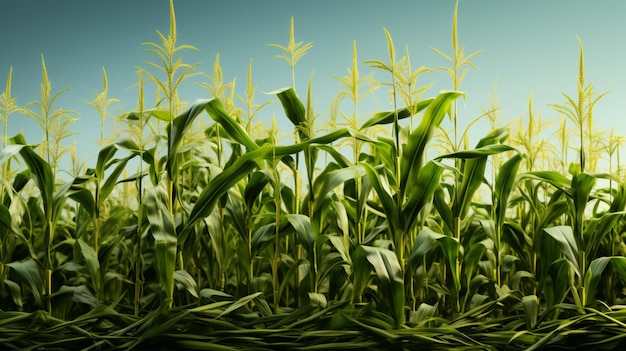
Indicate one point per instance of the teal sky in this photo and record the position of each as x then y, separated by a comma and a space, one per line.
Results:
527, 46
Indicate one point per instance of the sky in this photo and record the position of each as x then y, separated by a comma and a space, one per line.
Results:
526, 47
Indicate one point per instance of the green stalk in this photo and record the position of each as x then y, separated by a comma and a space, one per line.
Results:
277, 204
8, 107
137, 249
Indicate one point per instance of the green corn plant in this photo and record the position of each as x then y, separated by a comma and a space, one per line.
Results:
392, 68
458, 60
252, 108
294, 109
578, 240
170, 65
277, 205
389, 247
302, 118
580, 110
52, 204
53, 122
416, 180
471, 174
12, 236
101, 102
175, 71
350, 84
138, 267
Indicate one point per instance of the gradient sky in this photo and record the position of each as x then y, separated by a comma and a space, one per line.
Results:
527, 46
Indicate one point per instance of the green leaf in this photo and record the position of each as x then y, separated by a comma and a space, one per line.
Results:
482, 151
302, 226
41, 173
450, 247
326, 139
334, 178
215, 109
158, 114
176, 132
93, 264
564, 237
556, 179
424, 243
592, 277
240, 303
389, 205
414, 152
427, 182
164, 233
389, 116
530, 304
504, 184
8, 152
220, 185
389, 274
5, 217
28, 271
294, 108
186, 281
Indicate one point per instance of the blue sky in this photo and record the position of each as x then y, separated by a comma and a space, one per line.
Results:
527, 46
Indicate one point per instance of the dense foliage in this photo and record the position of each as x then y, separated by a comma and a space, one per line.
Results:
388, 233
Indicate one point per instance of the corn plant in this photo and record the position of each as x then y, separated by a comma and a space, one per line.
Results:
53, 122
580, 110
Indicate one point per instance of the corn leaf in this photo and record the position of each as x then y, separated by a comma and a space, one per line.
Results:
29, 273
389, 274
294, 108
388, 116
504, 184
164, 233
427, 182
414, 152
564, 237
215, 109
41, 173
221, 184
389, 205
8, 152
176, 132
93, 264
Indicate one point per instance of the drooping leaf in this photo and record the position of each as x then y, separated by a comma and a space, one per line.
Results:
28, 271
389, 274
388, 117
294, 108
215, 109
8, 152
564, 237
165, 241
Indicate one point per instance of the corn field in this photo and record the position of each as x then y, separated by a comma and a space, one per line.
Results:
199, 227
